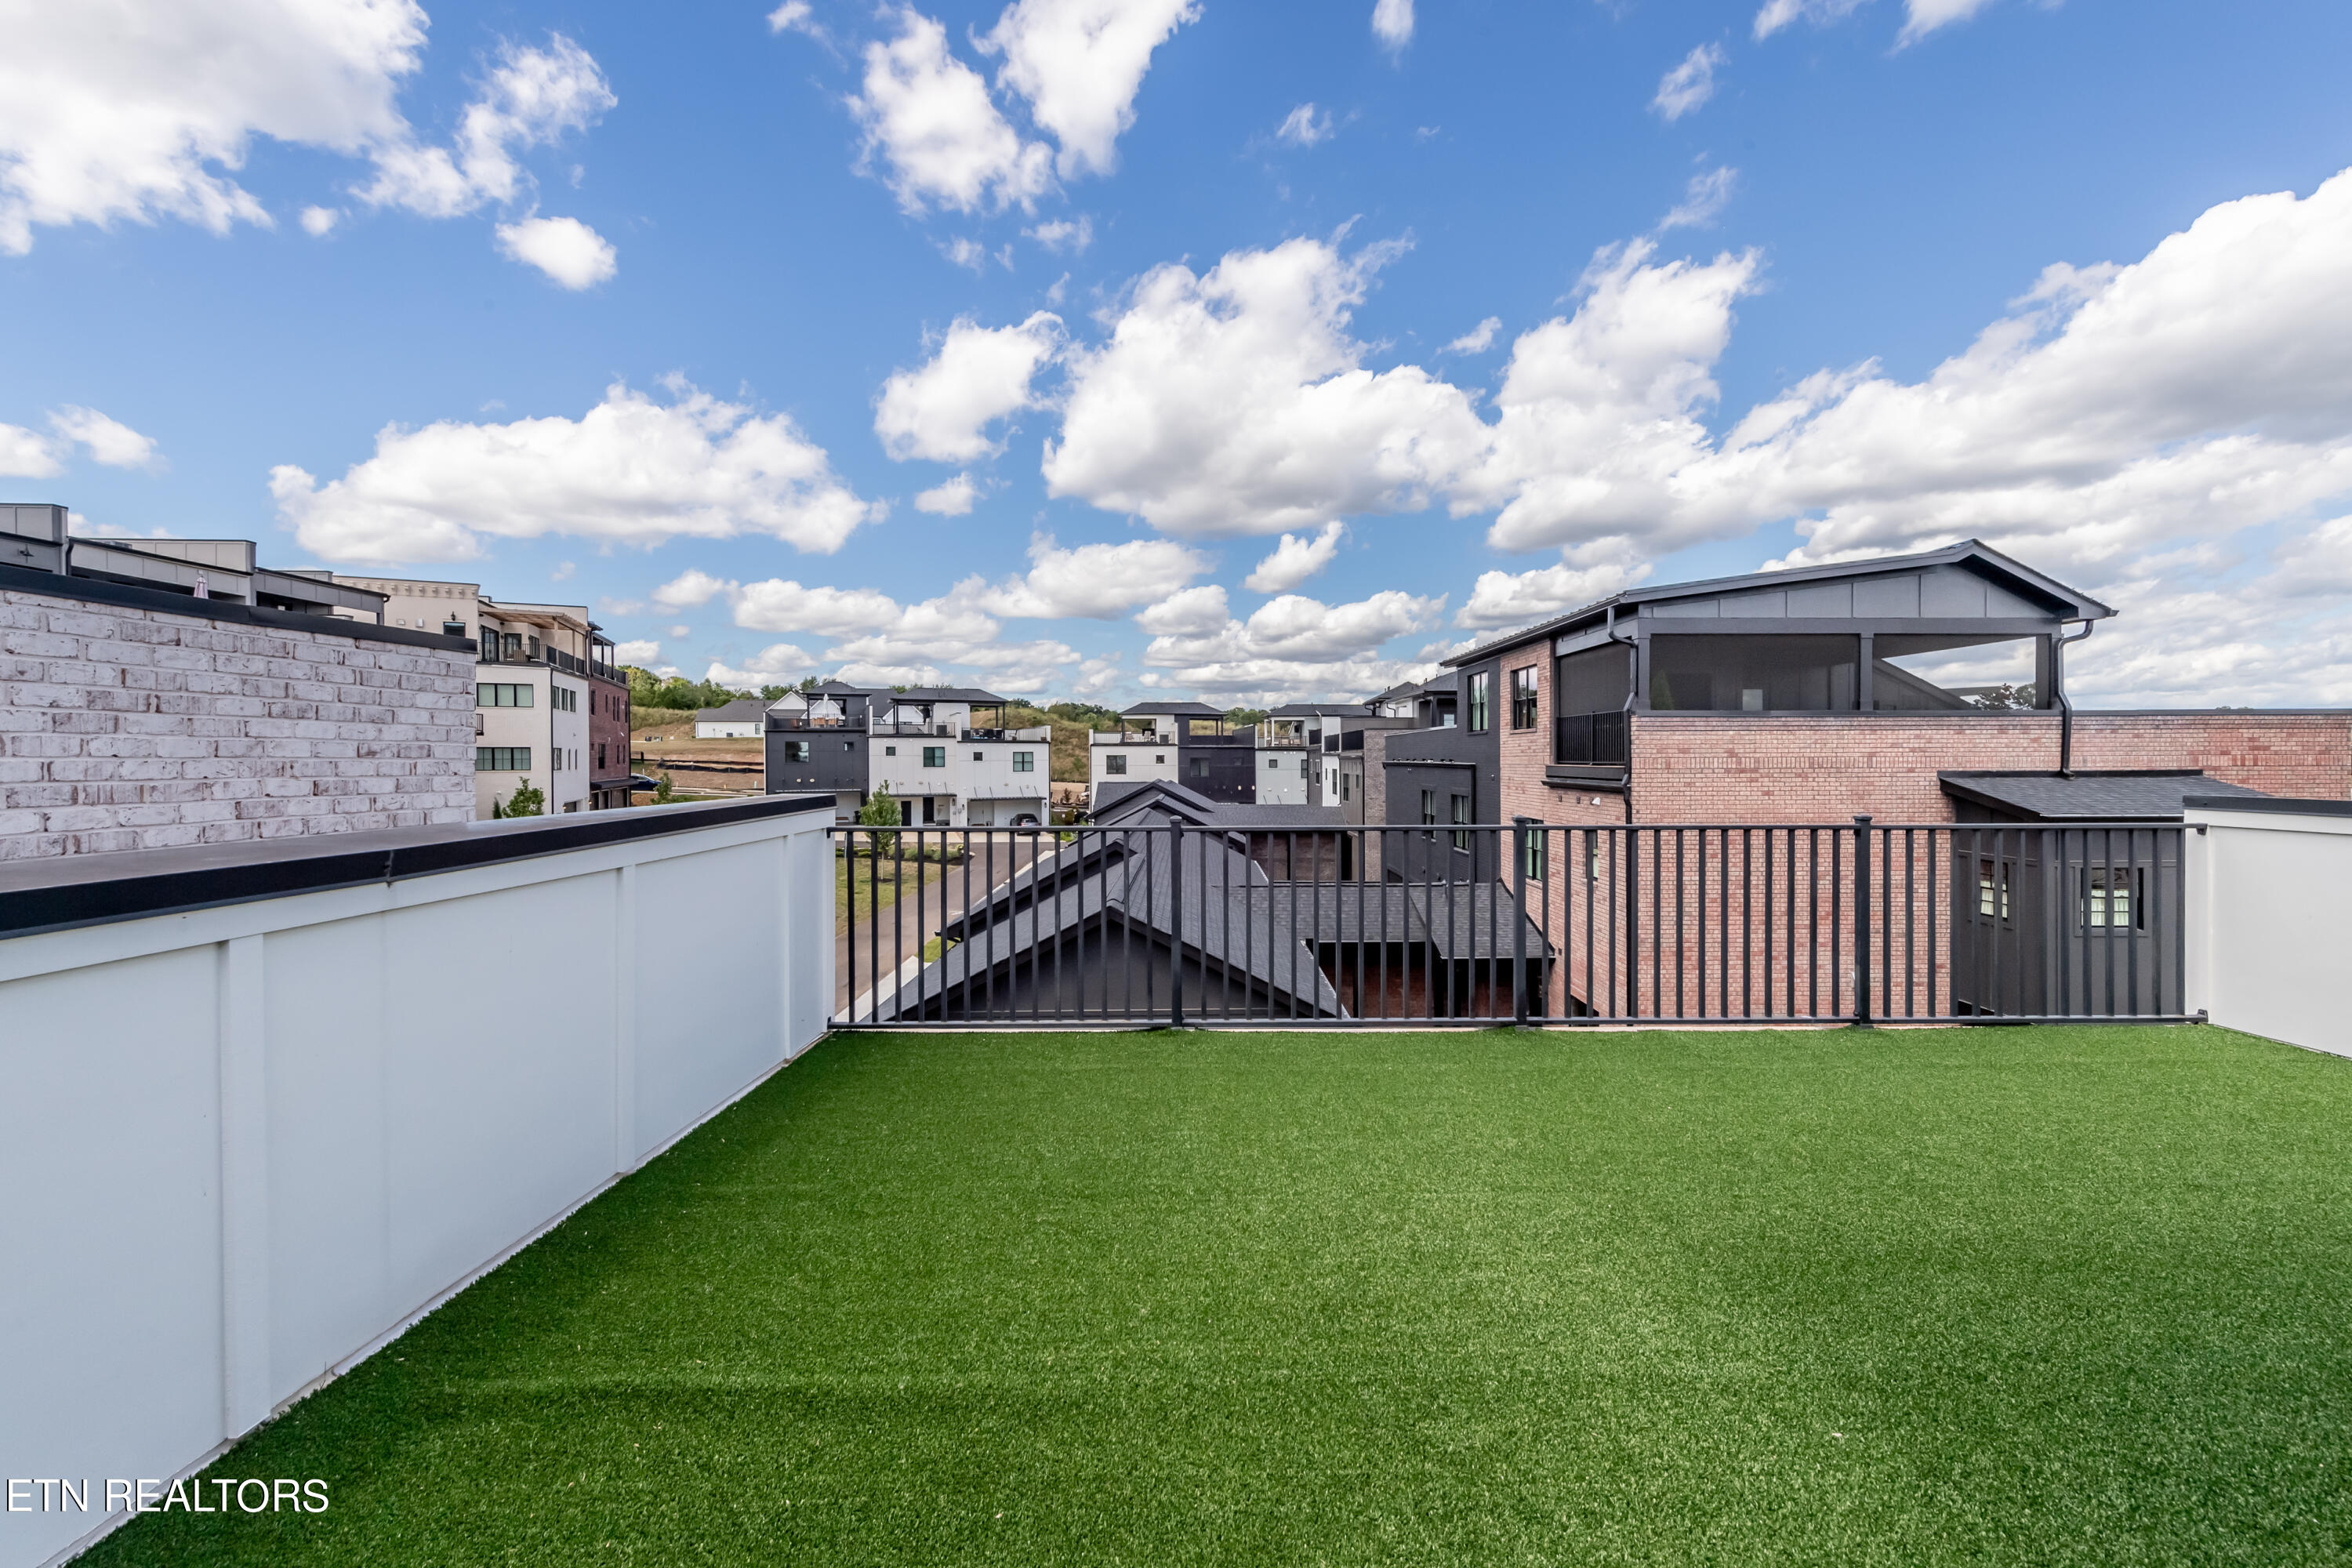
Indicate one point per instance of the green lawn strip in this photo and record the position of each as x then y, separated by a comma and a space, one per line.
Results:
861, 885
2009, 1296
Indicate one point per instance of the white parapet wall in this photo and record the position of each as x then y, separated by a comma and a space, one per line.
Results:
2270, 918
260, 1115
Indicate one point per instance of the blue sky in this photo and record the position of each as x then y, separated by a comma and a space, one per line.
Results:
1007, 344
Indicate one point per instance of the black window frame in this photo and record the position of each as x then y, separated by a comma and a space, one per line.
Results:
1480, 702
1527, 705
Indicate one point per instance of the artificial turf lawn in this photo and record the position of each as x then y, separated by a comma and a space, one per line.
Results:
2020, 1295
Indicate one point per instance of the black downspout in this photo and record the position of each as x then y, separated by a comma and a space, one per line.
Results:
2066, 706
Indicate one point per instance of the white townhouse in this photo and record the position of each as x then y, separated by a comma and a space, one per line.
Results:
922, 745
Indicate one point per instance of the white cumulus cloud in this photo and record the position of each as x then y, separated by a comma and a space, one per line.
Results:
139, 110
533, 98
978, 376
566, 250
1516, 598
1295, 559
639, 652
1098, 580
1478, 340
30, 454
1393, 23
1072, 234
929, 118
954, 498
1236, 402
1689, 84
1080, 64
630, 471
1289, 646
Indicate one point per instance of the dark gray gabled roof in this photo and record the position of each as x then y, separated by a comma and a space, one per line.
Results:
1973, 552
1171, 711
2090, 797
942, 694
1314, 709
742, 711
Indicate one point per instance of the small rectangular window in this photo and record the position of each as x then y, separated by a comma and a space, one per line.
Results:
501, 694
1523, 698
935, 756
1025, 761
796, 750
889, 751
1429, 812
1534, 854
1199, 767
1993, 890
502, 759
1461, 815
2111, 898
1114, 763
1481, 682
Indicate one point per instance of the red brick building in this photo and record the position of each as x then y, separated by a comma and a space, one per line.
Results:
1803, 697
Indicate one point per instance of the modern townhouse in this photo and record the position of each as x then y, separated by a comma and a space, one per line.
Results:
921, 746
552, 707
1189, 742
1924, 689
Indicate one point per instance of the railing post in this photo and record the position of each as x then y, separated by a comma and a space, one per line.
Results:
1176, 925
1862, 923
1520, 921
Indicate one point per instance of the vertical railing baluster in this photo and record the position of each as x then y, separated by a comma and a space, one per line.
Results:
1862, 922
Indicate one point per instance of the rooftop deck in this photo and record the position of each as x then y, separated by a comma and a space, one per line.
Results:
2037, 1294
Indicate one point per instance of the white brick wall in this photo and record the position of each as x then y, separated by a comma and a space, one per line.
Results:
128, 729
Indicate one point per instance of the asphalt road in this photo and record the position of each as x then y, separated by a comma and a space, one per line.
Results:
892, 936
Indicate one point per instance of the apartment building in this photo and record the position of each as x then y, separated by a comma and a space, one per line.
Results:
922, 746
551, 708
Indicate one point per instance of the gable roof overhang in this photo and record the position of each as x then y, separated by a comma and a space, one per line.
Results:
2066, 603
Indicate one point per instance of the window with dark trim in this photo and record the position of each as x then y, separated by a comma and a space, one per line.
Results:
501, 694
1482, 682
1462, 816
1025, 761
502, 759
935, 756
1114, 763
1523, 698
2111, 898
794, 751
1429, 812
1534, 854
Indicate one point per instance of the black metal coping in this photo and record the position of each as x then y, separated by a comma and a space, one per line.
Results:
96, 591
56, 892
2267, 806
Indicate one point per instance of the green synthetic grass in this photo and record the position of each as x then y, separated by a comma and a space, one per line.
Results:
1999, 1296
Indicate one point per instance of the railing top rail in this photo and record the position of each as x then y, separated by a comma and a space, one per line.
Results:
1846, 824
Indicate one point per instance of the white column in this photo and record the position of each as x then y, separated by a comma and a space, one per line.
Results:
245, 1187
626, 959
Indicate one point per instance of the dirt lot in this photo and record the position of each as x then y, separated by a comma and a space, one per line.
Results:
704, 767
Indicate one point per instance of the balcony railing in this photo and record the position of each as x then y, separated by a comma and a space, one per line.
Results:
1589, 739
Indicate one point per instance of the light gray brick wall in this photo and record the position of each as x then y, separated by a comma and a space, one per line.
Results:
125, 729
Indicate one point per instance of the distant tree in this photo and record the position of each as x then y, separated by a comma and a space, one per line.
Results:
879, 811
771, 693
527, 800
1239, 717
1092, 715
2007, 698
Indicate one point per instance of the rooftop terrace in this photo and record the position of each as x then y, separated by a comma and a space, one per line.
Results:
2034, 1294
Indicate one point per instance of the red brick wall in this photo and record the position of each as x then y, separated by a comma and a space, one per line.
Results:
1732, 767
2305, 756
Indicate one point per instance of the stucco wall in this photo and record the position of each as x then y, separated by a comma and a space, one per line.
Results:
270, 1132
131, 728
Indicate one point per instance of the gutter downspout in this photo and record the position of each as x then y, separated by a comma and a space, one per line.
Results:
2066, 706
1610, 628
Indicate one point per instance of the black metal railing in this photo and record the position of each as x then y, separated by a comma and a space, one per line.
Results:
1591, 739
1158, 924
